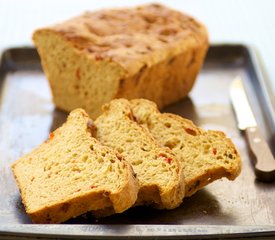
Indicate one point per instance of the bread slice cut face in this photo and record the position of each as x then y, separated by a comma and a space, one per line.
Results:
72, 173
157, 168
204, 155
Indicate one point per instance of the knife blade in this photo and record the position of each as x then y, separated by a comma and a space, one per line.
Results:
263, 160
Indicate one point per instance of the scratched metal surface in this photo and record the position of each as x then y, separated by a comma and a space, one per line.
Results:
27, 115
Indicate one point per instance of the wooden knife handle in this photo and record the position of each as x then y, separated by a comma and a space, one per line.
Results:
263, 159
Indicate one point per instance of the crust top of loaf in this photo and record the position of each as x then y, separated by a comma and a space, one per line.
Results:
132, 37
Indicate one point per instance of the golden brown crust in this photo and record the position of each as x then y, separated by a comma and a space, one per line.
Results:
150, 52
63, 211
134, 37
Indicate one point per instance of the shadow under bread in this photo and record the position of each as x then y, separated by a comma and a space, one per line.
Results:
193, 210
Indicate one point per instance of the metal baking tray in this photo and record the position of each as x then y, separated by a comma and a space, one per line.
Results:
240, 209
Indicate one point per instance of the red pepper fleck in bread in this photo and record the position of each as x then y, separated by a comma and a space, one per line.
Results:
72, 173
204, 155
150, 51
157, 169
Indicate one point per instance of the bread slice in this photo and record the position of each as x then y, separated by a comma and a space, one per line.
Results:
158, 171
72, 173
204, 155
148, 51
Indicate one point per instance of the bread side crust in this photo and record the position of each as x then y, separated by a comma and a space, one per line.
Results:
167, 81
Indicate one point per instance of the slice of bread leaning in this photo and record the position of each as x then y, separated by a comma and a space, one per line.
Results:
158, 171
204, 155
72, 173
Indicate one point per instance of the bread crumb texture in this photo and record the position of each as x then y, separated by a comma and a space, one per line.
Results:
149, 51
159, 173
72, 173
204, 155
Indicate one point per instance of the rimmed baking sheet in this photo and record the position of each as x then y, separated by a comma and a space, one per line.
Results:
224, 209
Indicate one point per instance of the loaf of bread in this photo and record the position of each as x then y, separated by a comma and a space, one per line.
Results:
157, 169
149, 51
204, 155
72, 173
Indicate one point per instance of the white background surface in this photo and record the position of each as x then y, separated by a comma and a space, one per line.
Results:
249, 22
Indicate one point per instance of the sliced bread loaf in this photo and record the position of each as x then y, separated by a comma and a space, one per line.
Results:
72, 173
158, 171
204, 155
149, 51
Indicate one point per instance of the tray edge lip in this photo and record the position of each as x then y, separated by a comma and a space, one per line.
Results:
264, 81
86, 230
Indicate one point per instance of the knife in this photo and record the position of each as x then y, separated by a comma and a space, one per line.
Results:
263, 161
